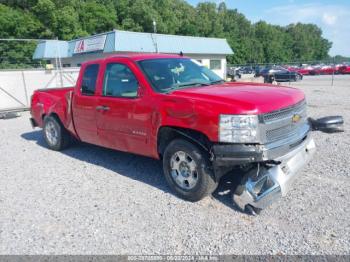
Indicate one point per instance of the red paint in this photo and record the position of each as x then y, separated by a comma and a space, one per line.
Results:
132, 124
344, 69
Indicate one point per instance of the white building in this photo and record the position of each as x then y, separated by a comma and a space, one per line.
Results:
211, 52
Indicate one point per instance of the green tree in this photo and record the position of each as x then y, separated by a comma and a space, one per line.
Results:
69, 19
16, 23
97, 18
66, 24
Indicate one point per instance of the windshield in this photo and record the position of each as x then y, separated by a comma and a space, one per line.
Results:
170, 74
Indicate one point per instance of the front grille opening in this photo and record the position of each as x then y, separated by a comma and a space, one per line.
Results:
279, 124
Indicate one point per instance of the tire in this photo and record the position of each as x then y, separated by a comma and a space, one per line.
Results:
55, 135
196, 179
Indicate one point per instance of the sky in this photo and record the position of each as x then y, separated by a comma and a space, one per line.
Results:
332, 16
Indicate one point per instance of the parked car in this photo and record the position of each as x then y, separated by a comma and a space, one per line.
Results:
246, 70
303, 70
173, 109
344, 69
279, 74
328, 70
233, 73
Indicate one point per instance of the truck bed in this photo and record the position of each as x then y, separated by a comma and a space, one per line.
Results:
45, 101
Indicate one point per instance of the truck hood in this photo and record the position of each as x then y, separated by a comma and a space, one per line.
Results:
243, 98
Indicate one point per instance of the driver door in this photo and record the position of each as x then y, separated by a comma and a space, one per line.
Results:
122, 121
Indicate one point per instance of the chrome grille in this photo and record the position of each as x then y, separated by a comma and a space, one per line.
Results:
299, 108
281, 132
278, 125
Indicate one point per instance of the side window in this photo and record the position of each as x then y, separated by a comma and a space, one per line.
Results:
215, 64
119, 81
88, 85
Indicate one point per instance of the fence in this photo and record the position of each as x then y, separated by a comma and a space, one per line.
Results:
17, 86
290, 71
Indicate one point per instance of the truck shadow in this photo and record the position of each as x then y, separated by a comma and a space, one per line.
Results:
139, 168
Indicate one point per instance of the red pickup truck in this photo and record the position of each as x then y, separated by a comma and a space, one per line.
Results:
169, 107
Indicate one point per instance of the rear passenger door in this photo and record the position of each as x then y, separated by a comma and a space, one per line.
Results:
84, 104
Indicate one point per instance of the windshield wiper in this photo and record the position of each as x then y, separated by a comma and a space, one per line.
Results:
184, 85
191, 84
217, 81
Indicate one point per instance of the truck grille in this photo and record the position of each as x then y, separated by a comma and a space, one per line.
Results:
299, 108
284, 124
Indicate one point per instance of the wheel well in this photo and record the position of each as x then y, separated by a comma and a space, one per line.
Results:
167, 133
52, 115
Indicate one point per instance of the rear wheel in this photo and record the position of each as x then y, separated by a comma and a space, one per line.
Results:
187, 170
55, 135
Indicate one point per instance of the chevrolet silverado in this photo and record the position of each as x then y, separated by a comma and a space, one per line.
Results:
171, 108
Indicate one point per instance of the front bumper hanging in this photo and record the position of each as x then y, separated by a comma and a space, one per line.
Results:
259, 188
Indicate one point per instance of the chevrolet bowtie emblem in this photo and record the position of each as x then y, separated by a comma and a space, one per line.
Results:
296, 118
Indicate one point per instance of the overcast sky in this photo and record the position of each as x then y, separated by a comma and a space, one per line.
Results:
333, 16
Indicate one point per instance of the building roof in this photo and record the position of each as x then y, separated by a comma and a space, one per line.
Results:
51, 49
126, 41
138, 57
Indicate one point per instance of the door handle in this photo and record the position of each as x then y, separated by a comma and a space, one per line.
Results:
102, 108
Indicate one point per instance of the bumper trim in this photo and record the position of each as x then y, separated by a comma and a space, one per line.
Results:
239, 154
262, 189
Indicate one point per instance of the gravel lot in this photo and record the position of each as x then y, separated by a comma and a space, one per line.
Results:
91, 200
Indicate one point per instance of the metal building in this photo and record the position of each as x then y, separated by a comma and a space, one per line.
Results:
211, 52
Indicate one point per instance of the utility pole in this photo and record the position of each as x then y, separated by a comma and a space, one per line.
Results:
58, 54
155, 32
154, 26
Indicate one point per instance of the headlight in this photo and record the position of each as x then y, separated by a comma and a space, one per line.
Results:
238, 128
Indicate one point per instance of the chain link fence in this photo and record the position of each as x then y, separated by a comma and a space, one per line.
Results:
288, 71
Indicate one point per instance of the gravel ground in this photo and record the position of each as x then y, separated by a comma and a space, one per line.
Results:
90, 200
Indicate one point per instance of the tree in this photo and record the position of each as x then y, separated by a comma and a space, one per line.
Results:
69, 19
97, 18
16, 23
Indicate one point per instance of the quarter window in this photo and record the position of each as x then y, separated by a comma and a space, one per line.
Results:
119, 81
89, 80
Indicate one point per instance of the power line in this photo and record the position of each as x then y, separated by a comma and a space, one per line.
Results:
24, 39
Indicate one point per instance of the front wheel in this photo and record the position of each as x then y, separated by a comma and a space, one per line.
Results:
55, 135
188, 171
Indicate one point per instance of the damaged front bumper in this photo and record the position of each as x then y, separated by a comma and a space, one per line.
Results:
260, 188
277, 164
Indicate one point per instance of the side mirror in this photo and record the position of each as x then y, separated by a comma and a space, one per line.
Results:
328, 124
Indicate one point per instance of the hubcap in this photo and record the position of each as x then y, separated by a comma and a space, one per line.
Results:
51, 133
184, 170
